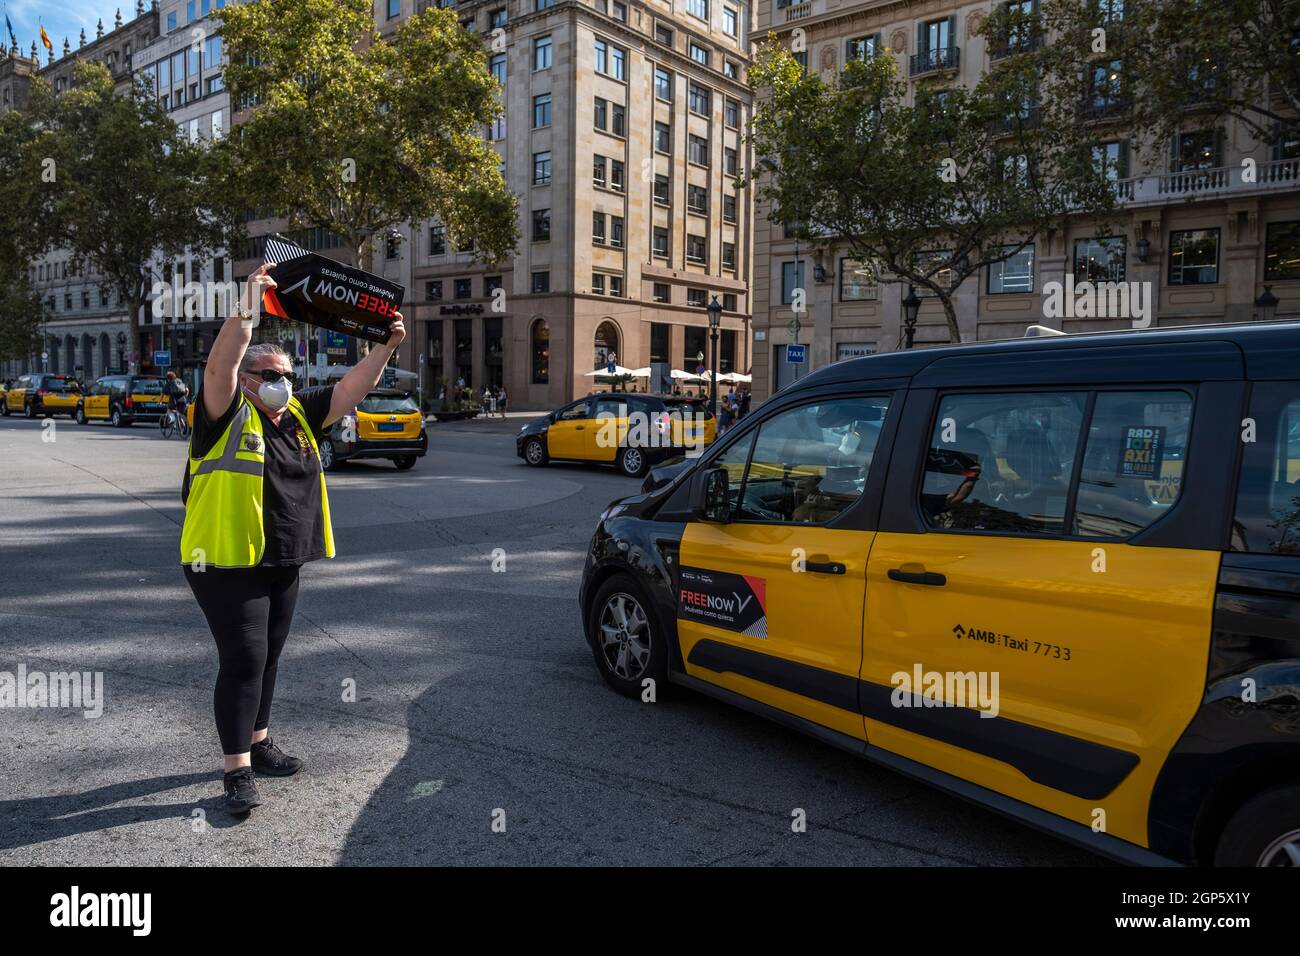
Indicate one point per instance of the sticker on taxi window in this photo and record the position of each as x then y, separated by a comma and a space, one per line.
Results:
733, 602
1144, 447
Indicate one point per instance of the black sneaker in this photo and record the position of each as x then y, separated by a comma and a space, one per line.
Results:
241, 792
272, 761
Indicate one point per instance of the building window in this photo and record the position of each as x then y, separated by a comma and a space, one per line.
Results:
540, 5
697, 98
729, 255
616, 231
728, 302
463, 288
729, 160
697, 150
541, 282
490, 285
857, 281
616, 179
541, 110
598, 228
699, 54
663, 35
602, 56
1194, 257
618, 11
696, 250
861, 48
542, 53
1195, 150
731, 114
619, 115
1015, 274
542, 168
791, 280
697, 199
938, 263
660, 293
618, 61
394, 9
601, 113
598, 165
616, 286
541, 225
661, 189
660, 242
541, 343
697, 298
1099, 260
1282, 250
730, 22
597, 283
663, 84
728, 208
663, 137
498, 18
698, 8
437, 240
433, 290
1111, 160
498, 65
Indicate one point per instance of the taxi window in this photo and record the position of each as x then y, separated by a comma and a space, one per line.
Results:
1133, 463
387, 405
58, 383
811, 463
147, 386
1267, 519
1002, 462
576, 410
610, 408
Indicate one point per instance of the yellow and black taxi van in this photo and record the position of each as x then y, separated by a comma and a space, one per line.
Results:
41, 394
387, 424
629, 430
122, 400
1058, 576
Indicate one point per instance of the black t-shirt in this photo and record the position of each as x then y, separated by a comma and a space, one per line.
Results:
291, 505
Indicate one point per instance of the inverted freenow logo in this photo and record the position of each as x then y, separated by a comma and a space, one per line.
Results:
74, 909
921, 688
1101, 300
82, 690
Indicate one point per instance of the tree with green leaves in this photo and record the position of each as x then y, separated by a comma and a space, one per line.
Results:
933, 188
106, 177
357, 132
22, 312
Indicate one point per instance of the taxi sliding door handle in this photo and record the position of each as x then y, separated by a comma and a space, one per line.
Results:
931, 578
824, 567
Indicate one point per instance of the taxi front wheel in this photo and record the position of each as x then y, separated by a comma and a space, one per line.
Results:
328, 460
627, 641
80, 415
633, 462
1264, 832
535, 452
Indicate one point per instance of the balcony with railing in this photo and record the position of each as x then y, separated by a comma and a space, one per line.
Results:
939, 60
1218, 182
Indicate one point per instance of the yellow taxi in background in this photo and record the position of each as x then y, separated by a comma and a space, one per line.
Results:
630, 431
387, 424
122, 400
42, 394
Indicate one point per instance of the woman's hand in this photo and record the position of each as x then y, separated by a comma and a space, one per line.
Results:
396, 331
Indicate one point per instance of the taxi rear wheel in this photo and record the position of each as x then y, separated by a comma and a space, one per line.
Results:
405, 462
535, 452
328, 460
1264, 832
4, 408
633, 462
80, 415
29, 410
115, 419
627, 642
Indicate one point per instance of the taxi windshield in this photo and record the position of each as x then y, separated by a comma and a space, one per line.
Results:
60, 383
387, 405
147, 386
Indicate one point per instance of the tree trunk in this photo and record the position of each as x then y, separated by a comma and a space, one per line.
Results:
133, 335
950, 314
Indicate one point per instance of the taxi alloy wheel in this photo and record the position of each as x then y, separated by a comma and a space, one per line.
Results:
80, 415
328, 460
534, 452
115, 419
632, 462
625, 638
29, 410
1264, 832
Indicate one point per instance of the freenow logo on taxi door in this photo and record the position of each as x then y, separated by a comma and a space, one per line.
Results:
734, 602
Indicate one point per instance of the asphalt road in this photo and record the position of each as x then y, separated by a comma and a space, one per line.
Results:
476, 698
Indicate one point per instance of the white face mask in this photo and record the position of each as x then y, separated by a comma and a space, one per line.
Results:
275, 395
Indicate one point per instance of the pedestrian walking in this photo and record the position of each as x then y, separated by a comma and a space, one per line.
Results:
256, 510
502, 401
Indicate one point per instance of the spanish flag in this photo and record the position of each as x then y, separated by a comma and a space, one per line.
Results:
45, 38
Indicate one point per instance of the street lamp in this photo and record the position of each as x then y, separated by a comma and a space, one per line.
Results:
911, 306
1266, 304
1143, 249
121, 352
715, 320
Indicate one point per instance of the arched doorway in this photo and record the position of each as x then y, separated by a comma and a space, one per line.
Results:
606, 344
539, 350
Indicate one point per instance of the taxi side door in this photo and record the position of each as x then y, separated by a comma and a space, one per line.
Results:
610, 429
18, 394
770, 591
96, 402
566, 436
1039, 617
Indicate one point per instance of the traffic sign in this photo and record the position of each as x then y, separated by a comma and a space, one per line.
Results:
162, 358
796, 354
390, 377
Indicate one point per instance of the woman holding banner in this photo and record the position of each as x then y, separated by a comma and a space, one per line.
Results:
256, 510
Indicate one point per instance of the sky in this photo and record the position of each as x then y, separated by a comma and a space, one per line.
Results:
66, 18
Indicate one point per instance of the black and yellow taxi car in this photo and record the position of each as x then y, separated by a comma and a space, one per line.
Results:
631, 431
42, 395
1057, 576
122, 400
387, 424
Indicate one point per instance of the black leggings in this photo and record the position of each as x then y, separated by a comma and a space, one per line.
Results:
249, 611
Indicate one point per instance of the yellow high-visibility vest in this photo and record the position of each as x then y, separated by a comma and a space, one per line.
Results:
223, 513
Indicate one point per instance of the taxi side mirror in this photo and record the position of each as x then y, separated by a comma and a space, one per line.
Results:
710, 496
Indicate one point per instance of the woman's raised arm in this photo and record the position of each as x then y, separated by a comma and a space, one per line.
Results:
221, 378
